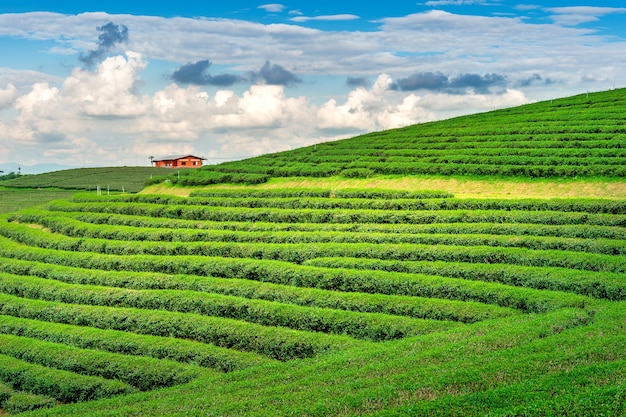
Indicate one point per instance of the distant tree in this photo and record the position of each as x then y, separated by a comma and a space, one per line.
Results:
9, 176
151, 160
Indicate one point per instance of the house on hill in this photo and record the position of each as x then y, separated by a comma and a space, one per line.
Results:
178, 161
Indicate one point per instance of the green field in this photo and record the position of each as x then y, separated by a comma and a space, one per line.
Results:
391, 295
126, 179
12, 199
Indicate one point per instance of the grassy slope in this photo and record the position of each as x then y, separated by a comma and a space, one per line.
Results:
459, 186
507, 367
129, 179
567, 362
13, 199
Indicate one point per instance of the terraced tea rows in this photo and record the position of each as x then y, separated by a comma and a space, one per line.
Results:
106, 296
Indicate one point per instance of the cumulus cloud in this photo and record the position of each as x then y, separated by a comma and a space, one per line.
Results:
357, 82
437, 3
376, 108
197, 73
40, 102
327, 18
476, 82
437, 81
272, 7
110, 35
423, 80
7, 95
535, 78
576, 15
75, 120
275, 74
109, 91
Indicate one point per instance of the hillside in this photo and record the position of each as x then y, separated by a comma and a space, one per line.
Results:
582, 136
324, 299
128, 179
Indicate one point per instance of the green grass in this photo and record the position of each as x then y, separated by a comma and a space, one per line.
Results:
322, 323
13, 199
127, 179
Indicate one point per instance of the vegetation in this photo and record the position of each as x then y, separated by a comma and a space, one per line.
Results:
128, 179
13, 199
323, 301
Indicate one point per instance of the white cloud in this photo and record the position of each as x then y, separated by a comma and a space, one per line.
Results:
7, 95
75, 121
273, 7
23, 80
436, 3
110, 90
575, 15
328, 18
39, 103
374, 109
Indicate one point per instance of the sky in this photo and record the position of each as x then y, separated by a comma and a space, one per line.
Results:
89, 83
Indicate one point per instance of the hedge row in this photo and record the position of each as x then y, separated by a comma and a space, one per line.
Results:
206, 177
600, 285
510, 160
64, 386
470, 167
424, 168
369, 193
274, 342
184, 351
242, 214
375, 200
417, 307
300, 252
14, 402
74, 228
374, 282
399, 153
140, 372
519, 229
367, 326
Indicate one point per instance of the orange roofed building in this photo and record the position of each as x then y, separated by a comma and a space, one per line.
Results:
178, 161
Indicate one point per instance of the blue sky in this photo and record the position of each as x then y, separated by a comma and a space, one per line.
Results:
87, 83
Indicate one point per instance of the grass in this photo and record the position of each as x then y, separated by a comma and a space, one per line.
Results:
13, 199
463, 187
565, 353
127, 179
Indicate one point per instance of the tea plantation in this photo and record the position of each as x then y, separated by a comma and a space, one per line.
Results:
254, 301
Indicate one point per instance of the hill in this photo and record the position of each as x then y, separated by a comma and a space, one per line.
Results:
318, 301
129, 179
582, 136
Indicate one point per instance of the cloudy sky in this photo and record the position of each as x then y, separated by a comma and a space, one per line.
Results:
113, 83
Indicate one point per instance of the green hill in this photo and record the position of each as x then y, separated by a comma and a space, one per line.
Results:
128, 179
582, 136
328, 301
